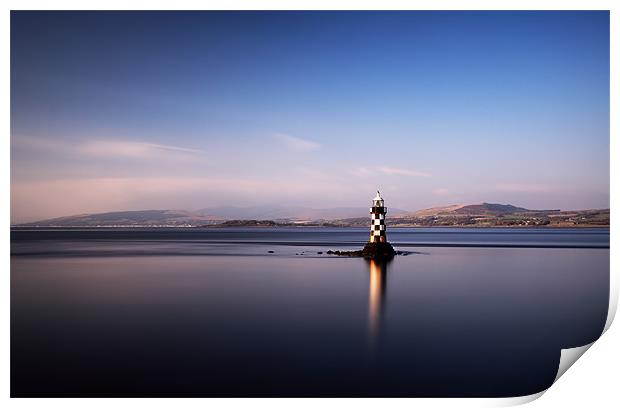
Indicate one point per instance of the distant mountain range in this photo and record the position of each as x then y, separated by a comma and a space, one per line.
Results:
485, 214
206, 216
129, 218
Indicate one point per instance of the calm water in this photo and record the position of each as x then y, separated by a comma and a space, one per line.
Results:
188, 312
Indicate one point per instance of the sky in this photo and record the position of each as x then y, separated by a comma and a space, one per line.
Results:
190, 110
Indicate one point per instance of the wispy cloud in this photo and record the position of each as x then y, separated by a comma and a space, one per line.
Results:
296, 143
131, 149
109, 148
393, 171
361, 171
523, 187
389, 171
441, 191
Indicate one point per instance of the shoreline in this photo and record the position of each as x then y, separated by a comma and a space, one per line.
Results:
219, 226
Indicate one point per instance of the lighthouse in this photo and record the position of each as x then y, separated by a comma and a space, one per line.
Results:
378, 246
377, 218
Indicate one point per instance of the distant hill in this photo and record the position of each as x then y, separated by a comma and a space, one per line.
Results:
436, 210
128, 218
473, 209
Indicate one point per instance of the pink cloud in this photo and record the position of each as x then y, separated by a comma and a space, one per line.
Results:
108, 148
389, 171
402, 172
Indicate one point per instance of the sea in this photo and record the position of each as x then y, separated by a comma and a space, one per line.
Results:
261, 312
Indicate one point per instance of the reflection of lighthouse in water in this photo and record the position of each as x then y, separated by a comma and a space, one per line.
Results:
376, 296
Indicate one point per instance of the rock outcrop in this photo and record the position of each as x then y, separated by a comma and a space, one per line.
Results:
378, 250
372, 250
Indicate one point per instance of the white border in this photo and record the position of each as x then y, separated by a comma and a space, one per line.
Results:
593, 381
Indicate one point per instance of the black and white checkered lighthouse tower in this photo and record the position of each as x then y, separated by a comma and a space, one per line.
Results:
378, 245
377, 217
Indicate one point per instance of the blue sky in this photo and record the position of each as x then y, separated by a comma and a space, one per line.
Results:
143, 110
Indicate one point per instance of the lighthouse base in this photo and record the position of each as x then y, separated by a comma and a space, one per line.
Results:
372, 250
378, 250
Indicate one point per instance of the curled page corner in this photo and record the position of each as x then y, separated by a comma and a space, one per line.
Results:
568, 358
